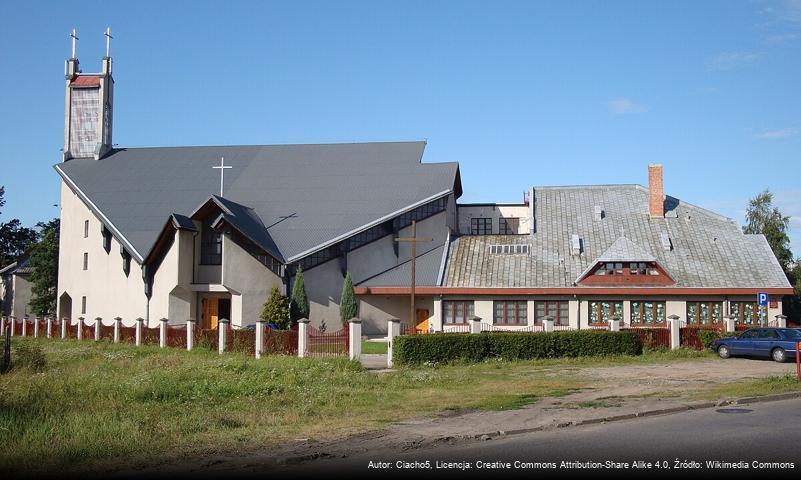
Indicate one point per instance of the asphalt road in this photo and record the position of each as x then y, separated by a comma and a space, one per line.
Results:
762, 432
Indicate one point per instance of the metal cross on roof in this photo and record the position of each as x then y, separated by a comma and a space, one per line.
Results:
222, 166
107, 33
74, 37
413, 240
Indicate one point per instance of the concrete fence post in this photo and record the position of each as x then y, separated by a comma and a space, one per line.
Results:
355, 338
117, 326
25, 326
675, 331
13, 325
728, 321
79, 336
475, 324
139, 322
781, 321
303, 335
190, 332
64, 326
614, 323
35, 327
547, 324
49, 321
98, 324
393, 330
222, 330
163, 333
3, 325
259, 337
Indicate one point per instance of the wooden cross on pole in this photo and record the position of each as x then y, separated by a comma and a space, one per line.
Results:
222, 168
413, 240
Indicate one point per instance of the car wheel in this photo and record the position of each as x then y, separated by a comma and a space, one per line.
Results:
723, 351
779, 355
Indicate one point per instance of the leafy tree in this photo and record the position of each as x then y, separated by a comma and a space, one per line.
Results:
762, 217
347, 303
44, 262
299, 306
2, 196
14, 241
276, 309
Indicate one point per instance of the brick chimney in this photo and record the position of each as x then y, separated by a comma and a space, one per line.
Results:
656, 193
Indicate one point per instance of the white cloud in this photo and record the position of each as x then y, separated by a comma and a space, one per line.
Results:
623, 105
791, 10
783, 38
779, 134
733, 60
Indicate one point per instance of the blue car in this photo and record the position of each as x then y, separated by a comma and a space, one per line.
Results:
776, 343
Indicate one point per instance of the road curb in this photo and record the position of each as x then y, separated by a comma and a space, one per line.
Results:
643, 414
298, 459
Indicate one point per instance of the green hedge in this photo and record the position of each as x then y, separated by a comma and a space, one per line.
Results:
444, 348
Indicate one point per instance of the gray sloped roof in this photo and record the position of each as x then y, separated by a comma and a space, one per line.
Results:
426, 272
304, 195
708, 250
21, 267
624, 250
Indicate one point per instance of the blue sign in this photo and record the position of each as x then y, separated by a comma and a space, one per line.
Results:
762, 299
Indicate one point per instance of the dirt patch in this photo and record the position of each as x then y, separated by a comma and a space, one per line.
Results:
616, 391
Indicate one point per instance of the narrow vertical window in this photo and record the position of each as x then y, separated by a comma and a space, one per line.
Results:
86, 229
86, 260
83, 304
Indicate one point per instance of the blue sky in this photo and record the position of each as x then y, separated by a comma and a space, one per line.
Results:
528, 93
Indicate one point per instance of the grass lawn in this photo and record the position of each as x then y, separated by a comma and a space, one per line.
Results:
94, 405
763, 386
374, 347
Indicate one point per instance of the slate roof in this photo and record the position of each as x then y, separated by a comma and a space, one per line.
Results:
708, 250
426, 272
624, 250
305, 196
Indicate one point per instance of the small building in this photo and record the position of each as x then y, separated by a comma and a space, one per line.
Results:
586, 254
15, 289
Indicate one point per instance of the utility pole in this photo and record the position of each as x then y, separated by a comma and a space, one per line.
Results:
413, 240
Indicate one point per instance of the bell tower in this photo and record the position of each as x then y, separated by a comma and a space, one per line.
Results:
88, 107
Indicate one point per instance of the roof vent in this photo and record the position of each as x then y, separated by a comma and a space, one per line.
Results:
518, 249
575, 245
598, 213
666, 244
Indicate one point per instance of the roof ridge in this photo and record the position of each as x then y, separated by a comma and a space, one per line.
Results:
376, 142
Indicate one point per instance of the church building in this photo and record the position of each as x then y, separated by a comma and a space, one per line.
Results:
204, 232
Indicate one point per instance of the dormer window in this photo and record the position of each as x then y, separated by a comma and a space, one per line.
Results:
625, 273
106, 239
126, 261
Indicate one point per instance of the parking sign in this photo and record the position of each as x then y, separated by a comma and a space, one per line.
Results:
762, 299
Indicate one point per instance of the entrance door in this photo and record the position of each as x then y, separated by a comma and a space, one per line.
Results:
421, 325
210, 312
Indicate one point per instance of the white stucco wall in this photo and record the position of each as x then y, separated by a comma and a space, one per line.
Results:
376, 310
248, 280
495, 212
109, 292
324, 282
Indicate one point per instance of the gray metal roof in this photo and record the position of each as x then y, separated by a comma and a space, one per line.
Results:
426, 272
708, 250
305, 195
